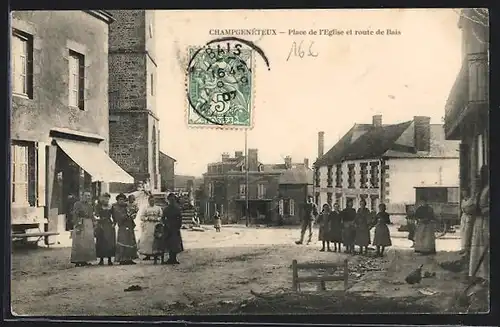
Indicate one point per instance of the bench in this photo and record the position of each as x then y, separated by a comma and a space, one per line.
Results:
321, 280
24, 236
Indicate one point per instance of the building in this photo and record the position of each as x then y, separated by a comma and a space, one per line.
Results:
133, 119
383, 163
59, 120
225, 187
184, 183
295, 185
167, 172
467, 108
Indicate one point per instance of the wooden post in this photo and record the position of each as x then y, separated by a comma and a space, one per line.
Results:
346, 275
295, 275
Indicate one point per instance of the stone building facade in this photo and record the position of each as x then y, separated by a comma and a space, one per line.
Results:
384, 163
134, 133
167, 172
59, 116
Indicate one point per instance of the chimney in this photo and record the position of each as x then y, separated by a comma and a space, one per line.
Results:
225, 156
321, 143
377, 120
288, 162
422, 135
238, 154
306, 162
253, 159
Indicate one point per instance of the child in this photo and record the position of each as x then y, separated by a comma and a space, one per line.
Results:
324, 224
382, 237
217, 221
158, 248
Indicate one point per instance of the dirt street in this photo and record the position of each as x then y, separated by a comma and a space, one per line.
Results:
217, 272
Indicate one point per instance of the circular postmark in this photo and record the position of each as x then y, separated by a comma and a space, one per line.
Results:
220, 83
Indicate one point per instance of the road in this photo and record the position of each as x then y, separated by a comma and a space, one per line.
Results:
216, 267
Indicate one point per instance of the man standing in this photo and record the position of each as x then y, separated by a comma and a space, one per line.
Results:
308, 216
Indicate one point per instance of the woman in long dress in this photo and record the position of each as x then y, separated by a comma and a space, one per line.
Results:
172, 222
150, 218
425, 239
480, 243
469, 209
382, 237
83, 246
348, 230
324, 224
362, 223
335, 229
105, 231
126, 245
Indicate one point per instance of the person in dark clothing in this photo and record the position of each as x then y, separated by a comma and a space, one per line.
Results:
308, 217
172, 222
349, 230
105, 230
336, 228
382, 237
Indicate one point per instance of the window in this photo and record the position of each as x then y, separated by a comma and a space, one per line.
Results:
374, 178
329, 179
152, 84
76, 80
316, 199
352, 176
338, 199
243, 190
261, 191
480, 152
363, 180
292, 207
22, 63
338, 176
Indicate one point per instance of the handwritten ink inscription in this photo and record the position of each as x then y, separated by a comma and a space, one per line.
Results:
300, 50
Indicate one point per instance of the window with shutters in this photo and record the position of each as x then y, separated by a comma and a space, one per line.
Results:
351, 176
76, 80
210, 189
363, 178
281, 207
338, 176
329, 179
22, 63
374, 175
317, 180
23, 174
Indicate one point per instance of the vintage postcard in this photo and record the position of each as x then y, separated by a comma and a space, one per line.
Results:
178, 162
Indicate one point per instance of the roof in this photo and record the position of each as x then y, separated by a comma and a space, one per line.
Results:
103, 15
365, 141
298, 175
166, 155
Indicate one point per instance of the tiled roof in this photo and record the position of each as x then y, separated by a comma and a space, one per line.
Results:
394, 140
299, 175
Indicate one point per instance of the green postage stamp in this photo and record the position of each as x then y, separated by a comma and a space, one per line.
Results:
220, 86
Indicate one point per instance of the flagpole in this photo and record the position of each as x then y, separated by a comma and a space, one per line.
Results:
246, 179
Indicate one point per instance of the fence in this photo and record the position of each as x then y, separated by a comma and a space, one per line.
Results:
296, 280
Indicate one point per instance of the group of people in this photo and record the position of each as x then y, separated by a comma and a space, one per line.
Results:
347, 227
94, 230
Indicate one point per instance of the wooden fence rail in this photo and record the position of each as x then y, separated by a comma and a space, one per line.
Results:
331, 277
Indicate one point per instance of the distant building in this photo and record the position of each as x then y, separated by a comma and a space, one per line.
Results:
184, 182
225, 187
167, 172
383, 163
59, 122
295, 185
467, 108
134, 132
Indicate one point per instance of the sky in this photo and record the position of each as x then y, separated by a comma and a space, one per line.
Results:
350, 79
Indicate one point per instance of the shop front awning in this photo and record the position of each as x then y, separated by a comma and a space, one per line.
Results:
91, 158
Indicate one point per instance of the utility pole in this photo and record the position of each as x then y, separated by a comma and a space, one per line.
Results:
246, 179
